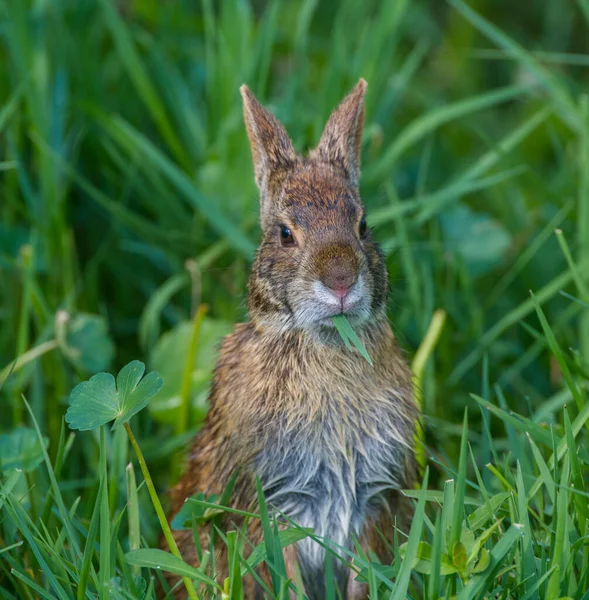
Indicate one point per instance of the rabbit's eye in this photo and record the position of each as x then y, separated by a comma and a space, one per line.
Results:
362, 228
286, 237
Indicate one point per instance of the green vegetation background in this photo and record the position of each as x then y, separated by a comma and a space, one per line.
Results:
127, 201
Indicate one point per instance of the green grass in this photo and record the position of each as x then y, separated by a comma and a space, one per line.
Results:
128, 218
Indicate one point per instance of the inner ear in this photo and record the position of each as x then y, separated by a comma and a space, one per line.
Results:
341, 140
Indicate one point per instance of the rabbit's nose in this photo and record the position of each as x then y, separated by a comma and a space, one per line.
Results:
339, 280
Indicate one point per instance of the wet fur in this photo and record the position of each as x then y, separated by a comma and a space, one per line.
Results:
329, 436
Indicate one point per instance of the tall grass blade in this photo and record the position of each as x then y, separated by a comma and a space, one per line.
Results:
550, 83
140, 78
128, 137
458, 513
430, 121
559, 547
403, 577
133, 513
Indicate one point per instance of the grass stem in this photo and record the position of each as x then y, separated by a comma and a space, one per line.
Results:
26, 358
157, 505
418, 365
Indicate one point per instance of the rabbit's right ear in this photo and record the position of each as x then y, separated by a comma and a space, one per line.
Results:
272, 150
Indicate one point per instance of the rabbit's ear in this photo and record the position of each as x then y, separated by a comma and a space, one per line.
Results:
342, 137
272, 149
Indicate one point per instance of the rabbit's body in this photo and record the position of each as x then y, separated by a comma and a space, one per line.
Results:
328, 435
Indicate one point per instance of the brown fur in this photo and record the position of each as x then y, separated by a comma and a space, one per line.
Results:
285, 380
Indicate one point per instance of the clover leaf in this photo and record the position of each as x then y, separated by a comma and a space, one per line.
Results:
97, 401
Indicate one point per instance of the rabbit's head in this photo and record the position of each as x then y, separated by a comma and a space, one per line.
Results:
317, 257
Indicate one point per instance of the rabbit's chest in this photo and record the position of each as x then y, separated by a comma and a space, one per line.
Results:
330, 478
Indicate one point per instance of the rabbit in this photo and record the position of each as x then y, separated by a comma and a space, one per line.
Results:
329, 436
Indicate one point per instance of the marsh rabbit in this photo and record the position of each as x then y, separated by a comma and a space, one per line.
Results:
329, 436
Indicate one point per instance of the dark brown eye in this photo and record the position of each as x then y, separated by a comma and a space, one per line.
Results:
362, 228
286, 237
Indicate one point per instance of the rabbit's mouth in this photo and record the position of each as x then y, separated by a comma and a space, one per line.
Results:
338, 302
322, 304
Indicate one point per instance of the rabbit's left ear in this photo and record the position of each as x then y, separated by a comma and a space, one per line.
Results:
341, 139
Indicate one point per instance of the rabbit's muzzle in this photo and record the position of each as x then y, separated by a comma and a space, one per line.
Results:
338, 284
